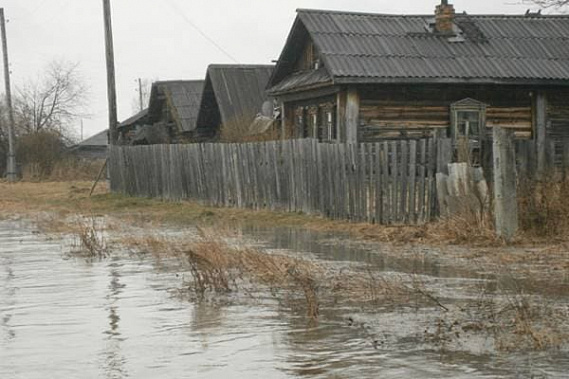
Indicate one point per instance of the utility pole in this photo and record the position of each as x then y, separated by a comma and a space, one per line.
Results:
140, 94
11, 174
111, 85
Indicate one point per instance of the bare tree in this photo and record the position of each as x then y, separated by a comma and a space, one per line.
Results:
142, 93
545, 4
52, 101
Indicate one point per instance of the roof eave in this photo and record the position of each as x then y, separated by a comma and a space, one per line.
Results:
300, 89
480, 81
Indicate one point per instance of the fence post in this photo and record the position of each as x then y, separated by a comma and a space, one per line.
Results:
505, 196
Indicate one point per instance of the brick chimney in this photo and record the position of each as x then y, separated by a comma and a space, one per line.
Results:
444, 18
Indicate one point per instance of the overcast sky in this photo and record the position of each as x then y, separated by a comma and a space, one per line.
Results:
155, 39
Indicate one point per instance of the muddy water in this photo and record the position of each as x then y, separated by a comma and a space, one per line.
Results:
121, 317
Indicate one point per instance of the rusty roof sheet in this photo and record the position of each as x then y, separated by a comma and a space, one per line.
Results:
361, 47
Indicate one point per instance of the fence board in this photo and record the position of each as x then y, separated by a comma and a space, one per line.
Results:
388, 182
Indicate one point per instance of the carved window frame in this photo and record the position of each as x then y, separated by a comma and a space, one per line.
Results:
468, 105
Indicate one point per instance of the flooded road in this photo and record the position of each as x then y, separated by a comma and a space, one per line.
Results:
122, 317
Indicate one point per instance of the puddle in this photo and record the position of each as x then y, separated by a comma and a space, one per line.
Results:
121, 318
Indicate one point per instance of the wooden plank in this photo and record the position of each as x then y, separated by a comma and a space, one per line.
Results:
403, 202
412, 211
361, 183
565, 161
421, 187
378, 194
395, 195
431, 182
352, 115
541, 131
505, 197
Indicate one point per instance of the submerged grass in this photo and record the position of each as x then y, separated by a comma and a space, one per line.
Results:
504, 310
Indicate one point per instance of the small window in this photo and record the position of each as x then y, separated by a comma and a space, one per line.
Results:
468, 124
468, 119
468, 129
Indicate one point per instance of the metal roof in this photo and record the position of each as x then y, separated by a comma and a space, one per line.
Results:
239, 90
362, 47
182, 96
139, 117
303, 80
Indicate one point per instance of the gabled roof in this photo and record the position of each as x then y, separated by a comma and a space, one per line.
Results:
377, 48
99, 139
238, 90
135, 119
182, 97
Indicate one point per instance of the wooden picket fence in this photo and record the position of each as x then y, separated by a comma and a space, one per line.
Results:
387, 182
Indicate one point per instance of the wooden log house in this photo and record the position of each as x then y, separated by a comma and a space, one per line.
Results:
170, 117
233, 95
360, 77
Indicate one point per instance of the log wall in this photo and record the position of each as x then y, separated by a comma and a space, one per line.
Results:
420, 112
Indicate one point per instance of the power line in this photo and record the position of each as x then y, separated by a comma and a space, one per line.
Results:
180, 12
38, 7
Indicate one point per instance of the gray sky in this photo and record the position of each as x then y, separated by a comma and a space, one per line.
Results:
155, 38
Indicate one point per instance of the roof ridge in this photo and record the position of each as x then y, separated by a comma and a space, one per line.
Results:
239, 65
431, 35
368, 55
181, 81
371, 14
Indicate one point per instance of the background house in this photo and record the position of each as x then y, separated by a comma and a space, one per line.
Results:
171, 115
92, 148
362, 77
233, 95
128, 128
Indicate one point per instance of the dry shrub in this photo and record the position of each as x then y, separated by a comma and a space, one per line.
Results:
88, 234
465, 227
216, 267
543, 207
74, 169
238, 130
39, 152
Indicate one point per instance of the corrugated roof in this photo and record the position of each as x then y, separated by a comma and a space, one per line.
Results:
182, 96
361, 47
239, 89
99, 139
303, 80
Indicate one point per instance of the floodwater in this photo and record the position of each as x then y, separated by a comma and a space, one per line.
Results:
122, 317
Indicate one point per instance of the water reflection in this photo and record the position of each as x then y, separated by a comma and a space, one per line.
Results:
8, 292
114, 359
57, 315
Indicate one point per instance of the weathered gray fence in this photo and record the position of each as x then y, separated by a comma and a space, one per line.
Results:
388, 182
556, 160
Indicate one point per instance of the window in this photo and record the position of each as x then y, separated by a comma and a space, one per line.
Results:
468, 129
468, 124
299, 122
468, 119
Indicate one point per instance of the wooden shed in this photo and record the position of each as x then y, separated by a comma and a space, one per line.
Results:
361, 77
171, 116
232, 95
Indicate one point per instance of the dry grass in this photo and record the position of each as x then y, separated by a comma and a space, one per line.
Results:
238, 130
217, 267
509, 314
543, 208
65, 198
